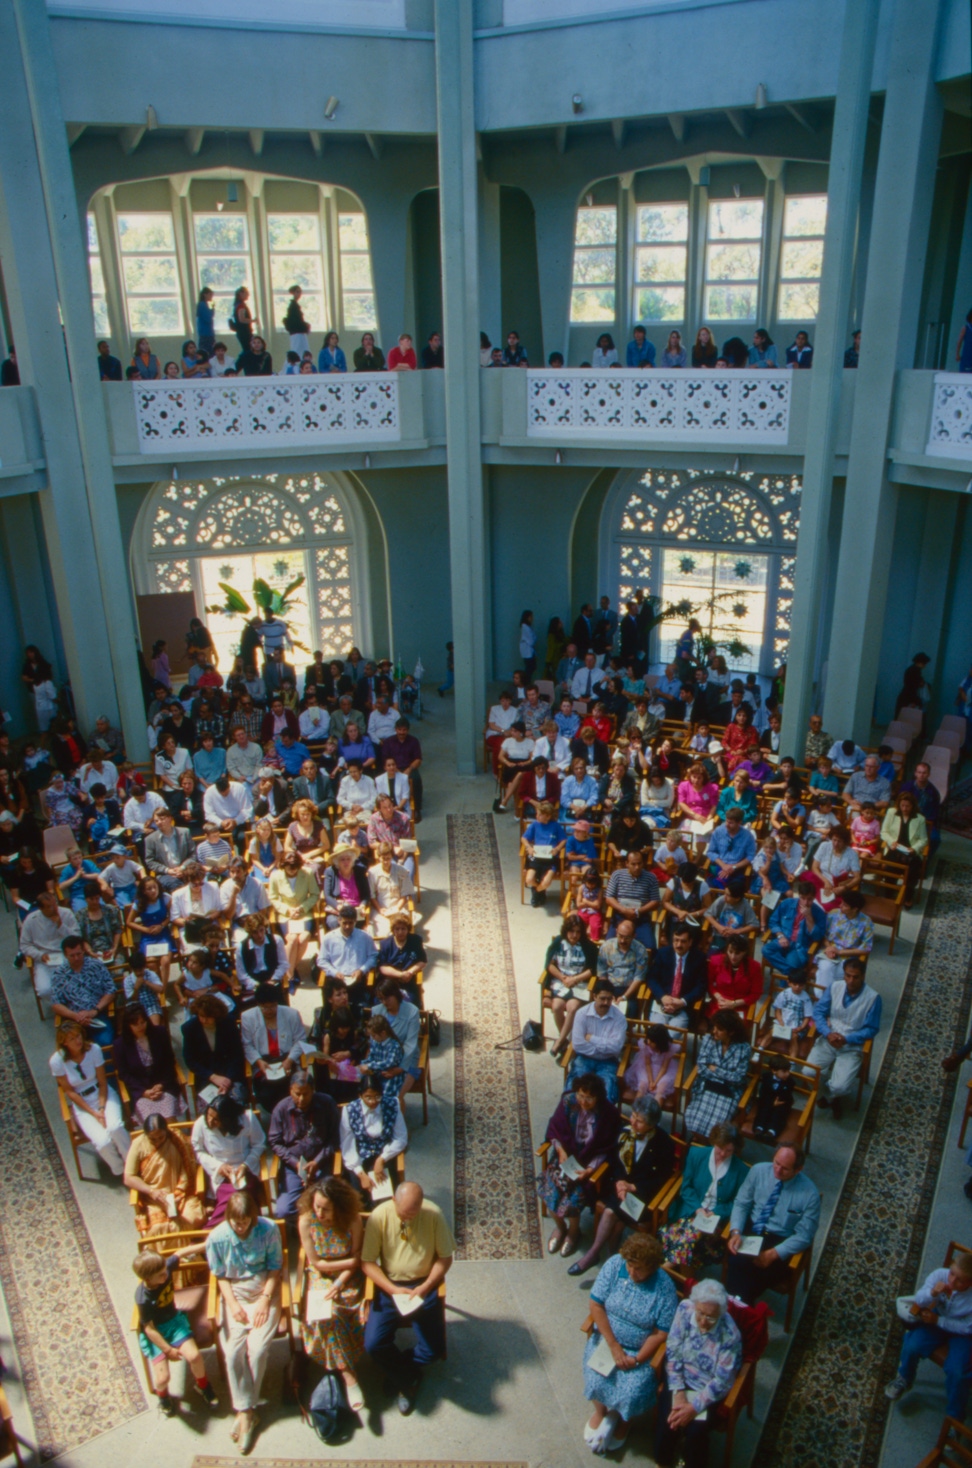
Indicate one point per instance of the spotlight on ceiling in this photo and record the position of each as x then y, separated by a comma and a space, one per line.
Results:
151, 118
736, 190
330, 107
761, 98
577, 102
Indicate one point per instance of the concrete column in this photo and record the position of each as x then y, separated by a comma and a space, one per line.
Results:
387, 238
490, 283
906, 170
931, 591
460, 301
555, 216
843, 200
92, 455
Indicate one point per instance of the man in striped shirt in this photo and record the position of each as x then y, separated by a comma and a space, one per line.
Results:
632, 894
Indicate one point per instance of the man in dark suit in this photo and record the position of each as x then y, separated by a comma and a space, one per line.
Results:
319, 676
630, 646
677, 979
583, 633
726, 712
167, 850
702, 703
593, 751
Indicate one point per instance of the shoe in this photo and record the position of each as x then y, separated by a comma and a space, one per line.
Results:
567, 1248
534, 897
554, 1243
208, 1395
578, 1268
168, 1407
406, 1399
355, 1398
823, 1103
294, 985
837, 1108
248, 1435
897, 1388
497, 808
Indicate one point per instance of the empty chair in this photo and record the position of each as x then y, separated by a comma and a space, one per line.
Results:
545, 688
58, 841
948, 739
911, 716
956, 723
898, 730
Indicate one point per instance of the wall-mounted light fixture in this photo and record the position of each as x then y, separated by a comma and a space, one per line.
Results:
232, 192
577, 102
736, 190
330, 107
558, 457
175, 474
151, 118
761, 98
367, 462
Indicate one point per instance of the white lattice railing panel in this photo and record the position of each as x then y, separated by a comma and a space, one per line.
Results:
247, 411
950, 431
691, 407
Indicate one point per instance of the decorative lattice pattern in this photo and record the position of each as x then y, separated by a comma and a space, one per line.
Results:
332, 567
950, 432
172, 576
266, 411
219, 513
635, 571
708, 407
718, 509
784, 607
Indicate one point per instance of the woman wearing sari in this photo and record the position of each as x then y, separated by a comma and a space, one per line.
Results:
160, 1166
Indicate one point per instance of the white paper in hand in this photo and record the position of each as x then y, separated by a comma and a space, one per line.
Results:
600, 1359
571, 1169
751, 1244
318, 1307
157, 950
381, 1190
408, 1304
781, 1031
543, 853
705, 1221
632, 1206
275, 1072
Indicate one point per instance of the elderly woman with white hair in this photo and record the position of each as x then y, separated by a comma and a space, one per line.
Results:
702, 1358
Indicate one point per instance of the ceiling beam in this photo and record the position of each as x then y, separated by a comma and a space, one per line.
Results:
619, 129
316, 142
560, 138
678, 125
74, 131
194, 139
739, 120
802, 115
376, 145
772, 167
256, 140
129, 138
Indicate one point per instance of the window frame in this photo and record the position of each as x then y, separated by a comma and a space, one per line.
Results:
353, 292
94, 254
129, 296
200, 256
639, 244
593, 286
749, 282
283, 255
791, 280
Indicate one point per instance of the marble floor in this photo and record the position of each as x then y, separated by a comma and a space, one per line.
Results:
511, 1388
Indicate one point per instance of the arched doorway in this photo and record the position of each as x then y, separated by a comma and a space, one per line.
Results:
192, 535
724, 542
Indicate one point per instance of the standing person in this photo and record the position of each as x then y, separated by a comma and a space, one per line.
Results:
245, 1256
38, 676
242, 320
295, 324
407, 1251
528, 645
963, 349
915, 692
9, 371
206, 321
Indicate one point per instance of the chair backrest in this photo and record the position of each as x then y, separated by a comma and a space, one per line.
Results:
545, 688
956, 723
192, 1270
954, 1447
58, 841
898, 730
910, 716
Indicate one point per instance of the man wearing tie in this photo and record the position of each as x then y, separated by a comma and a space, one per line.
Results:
782, 1207
587, 679
677, 979
583, 630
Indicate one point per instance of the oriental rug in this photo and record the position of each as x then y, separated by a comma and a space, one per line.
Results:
495, 1196
829, 1409
956, 813
76, 1372
353, 1463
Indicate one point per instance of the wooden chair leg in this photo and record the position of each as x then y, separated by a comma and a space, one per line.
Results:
967, 1115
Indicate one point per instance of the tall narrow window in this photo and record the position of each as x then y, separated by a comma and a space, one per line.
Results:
595, 265
801, 259
223, 260
150, 273
357, 285
661, 262
99, 305
732, 259
295, 259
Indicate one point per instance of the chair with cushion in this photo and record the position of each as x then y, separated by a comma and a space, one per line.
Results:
193, 1285
950, 740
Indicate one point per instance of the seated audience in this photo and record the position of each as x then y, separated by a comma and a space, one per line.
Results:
161, 1168
641, 1161
78, 1066
846, 1016
331, 1232
146, 1066
303, 1134
272, 1036
584, 1128
703, 1354
780, 1207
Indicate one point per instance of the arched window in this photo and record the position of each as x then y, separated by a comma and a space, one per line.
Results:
723, 543
193, 535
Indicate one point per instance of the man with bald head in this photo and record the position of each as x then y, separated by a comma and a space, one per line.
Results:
407, 1253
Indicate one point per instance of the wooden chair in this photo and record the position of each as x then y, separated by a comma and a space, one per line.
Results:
9, 1442
637, 1030
423, 1087
136, 1199
193, 1283
369, 1295
966, 1114
285, 1325
657, 1207
953, 1449
883, 886
806, 1087
799, 1268
75, 1136
58, 841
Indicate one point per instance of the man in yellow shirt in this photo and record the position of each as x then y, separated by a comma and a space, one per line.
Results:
407, 1253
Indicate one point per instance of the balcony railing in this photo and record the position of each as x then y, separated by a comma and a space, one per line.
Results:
950, 430
250, 412
686, 407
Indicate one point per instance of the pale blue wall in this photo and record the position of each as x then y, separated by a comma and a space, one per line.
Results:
413, 507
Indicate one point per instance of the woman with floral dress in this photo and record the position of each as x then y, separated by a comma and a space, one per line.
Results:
61, 803
633, 1303
385, 1054
702, 1358
331, 1232
584, 1127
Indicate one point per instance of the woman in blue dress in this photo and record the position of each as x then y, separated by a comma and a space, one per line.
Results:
150, 919
633, 1303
